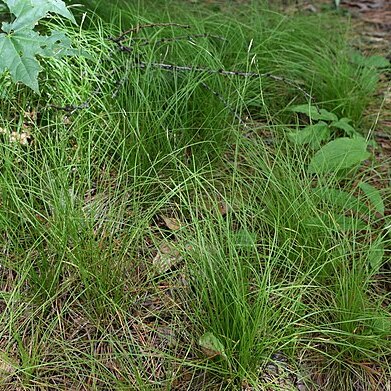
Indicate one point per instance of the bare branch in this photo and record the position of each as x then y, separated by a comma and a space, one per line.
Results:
139, 27
178, 68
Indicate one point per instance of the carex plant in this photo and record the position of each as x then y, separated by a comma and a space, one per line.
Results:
151, 236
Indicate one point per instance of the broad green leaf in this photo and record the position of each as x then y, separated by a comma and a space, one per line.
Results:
341, 199
326, 116
313, 135
56, 45
308, 110
377, 62
314, 113
211, 345
371, 61
20, 43
27, 16
349, 223
339, 154
54, 6
344, 124
382, 323
28, 13
18, 52
374, 196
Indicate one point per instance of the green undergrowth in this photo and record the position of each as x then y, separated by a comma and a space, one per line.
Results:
153, 241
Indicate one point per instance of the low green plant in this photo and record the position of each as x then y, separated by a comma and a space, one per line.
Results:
325, 126
334, 154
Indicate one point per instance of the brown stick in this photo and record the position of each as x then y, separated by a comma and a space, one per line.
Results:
136, 29
178, 68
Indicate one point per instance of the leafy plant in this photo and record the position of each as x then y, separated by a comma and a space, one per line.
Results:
370, 61
315, 114
341, 153
21, 43
363, 207
334, 156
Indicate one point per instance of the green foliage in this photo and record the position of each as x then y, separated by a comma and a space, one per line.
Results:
313, 135
314, 113
342, 201
374, 197
20, 43
371, 61
347, 212
269, 257
376, 255
344, 124
245, 238
339, 154
342, 153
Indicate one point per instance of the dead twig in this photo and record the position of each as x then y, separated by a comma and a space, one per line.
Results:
71, 108
139, 27
180, 68
145, 42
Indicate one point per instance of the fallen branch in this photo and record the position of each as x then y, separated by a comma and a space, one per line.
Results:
178, 68
139, 27
71, 108
161, 41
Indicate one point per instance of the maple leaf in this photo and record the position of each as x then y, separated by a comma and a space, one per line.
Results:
29, 12
20, 44
18, 52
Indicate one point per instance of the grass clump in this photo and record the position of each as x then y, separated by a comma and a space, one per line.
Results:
161, 232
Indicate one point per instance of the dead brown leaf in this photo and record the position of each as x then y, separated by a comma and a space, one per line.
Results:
172, 223
8, 366
167, 256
